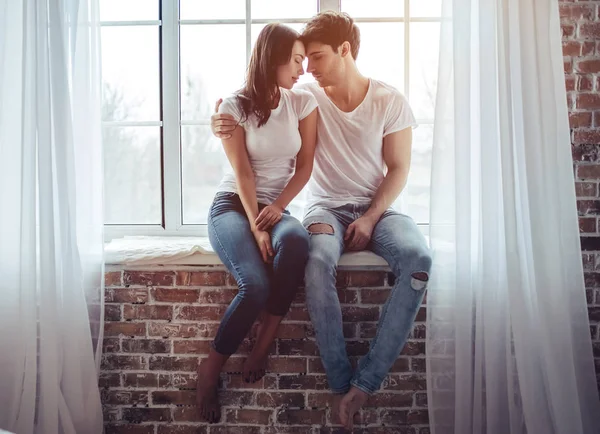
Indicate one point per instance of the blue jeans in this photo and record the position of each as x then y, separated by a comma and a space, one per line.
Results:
261, 286
398, 240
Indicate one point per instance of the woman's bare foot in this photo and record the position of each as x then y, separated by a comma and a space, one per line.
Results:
350, 404
254, 368
207, 385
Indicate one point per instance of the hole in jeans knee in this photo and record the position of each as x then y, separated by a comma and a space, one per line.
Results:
320, 228
419, 280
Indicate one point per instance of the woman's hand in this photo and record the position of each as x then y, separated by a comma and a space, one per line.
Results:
268, 217
263, 239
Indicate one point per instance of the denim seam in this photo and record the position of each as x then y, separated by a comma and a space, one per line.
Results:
233, 267
361, 387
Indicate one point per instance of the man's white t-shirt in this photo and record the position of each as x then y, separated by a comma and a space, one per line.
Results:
273, 147
349, 166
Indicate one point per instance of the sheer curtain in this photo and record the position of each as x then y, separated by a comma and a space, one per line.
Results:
51, 263
508, 346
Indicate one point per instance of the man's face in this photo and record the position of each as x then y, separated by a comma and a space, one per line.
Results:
324, 63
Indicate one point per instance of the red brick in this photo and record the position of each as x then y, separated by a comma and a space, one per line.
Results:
126, 295
277, 399
109, 379
394, 417
589, 261
374, 296
586, 189
128, 429
201, 278
146, 346
356, 313
291, 331
587, 101
147, 311
217, 296
297, 347
417, 365
166, 363
400, 365
412, 348
135, 379
571, 48
586, 136
588, 153
320, 399
149, 278
112, 312
589, 30
383, 399
577, 11
114, 362
287, 365
570, 83
357, 348
405, 382
187, 414
302, 382
585, 83
174, 295
567, 66
124, 328
301, 417
580, 120
360, 278
587, 225
200, 313
112, 278
199, 330
246, 416
588, 48
315, 366
234, 364
419, 331
240, 429
298, 313
568, 30
111, 345
347, 296
192, 347
178, 380
174, 397
588, 171
236, 381
588, 207
236, 398
588, 66
125, 397
137, 415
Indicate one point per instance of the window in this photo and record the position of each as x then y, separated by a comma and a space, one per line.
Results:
165, 63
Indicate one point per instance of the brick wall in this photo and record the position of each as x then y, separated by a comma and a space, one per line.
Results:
159, 322
581, 48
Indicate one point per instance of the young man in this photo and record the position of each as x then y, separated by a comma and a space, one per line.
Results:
364, 125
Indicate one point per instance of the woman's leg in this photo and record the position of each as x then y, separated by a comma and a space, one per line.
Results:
290, 245
230, 235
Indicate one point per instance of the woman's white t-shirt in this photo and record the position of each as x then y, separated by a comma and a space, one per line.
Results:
273, 147
349, 166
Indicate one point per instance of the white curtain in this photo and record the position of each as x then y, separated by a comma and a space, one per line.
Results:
51, 264
508, 338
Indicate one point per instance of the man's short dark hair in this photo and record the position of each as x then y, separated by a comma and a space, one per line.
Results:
332, 28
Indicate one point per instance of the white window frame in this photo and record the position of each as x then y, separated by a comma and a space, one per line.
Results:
172, 187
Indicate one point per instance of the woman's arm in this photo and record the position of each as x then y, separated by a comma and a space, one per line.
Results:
304, 165
237, 154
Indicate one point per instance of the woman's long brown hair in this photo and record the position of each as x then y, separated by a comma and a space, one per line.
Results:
273, 48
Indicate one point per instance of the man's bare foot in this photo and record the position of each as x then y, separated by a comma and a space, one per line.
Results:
254, 368
350, 404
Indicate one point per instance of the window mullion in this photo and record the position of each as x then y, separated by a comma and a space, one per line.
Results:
326, 5
171, 115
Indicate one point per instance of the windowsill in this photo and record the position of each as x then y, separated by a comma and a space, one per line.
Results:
194, 251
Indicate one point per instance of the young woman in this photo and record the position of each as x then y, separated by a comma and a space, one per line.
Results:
271, 152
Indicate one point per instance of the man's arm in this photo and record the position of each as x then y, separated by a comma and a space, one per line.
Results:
222, 124
396, 155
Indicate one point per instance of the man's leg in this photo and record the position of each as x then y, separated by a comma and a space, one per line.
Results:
399, 241
326, 231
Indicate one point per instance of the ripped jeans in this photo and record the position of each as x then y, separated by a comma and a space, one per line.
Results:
399, 241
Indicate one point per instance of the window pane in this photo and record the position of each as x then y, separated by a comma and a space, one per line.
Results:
381, 53
426, 8
280, 9
255, 30
212, 10
132, 175
424, 52
210, 71
130, 72
129, 10
373, 8
414, 200
203, 163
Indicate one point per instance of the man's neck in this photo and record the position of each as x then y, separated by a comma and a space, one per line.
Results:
350, 92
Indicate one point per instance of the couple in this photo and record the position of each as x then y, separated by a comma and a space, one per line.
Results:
273, 135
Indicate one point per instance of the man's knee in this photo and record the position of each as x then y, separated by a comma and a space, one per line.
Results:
320, 229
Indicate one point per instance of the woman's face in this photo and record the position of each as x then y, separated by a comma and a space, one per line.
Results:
288, 74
